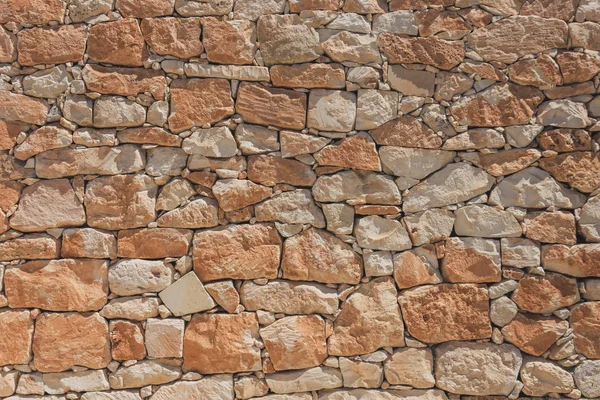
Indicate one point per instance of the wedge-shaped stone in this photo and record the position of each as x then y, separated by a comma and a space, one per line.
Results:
294, 207
430, 50
357, 152
65, 162
154, 243
218, 343
534, 334
124, 81
270, 171
413, 367
534, 188
453, 184
120, 202
406, 131
316, 255
200, 213
309, 76
511, 38
127, 340
217, 387
584, 320
416, 267
289, 297
80, 381
133, 276
484, 221
477, 368
186, 296
16, 335
285, 39
544, 294
304, 380
542, 377
440, 313
149, 135
413, 163
589, 220
369, 319
65, 340
473, 260
579, 260
144, 373
563, 113
378, 233
357, 187
235, 194
44, 139
30, 247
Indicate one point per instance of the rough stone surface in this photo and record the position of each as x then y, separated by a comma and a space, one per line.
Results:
118, 42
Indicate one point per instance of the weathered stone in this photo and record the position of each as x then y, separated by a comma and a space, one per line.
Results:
149, 135
429, 226
124, 81
234, 194
485, 221
542, 72
504, 162
449, 84
237, 252
49, 83
352, 47
357, 152
46, 138
237, 72
191, 8
423, 50
357, 331
477, 368
80, 10
551, 227
289, 297
534, 334
416, 267
340, 218
304, 380
147, 9
166, 161
375, 107
186, 296
311, 76
378, 233
285, 39
350, 22
584, 321
229, 42
411, 82
406, 131
293, 207
164, 338
18, 107
134, 308
144, 373
413, 163
587, 376
62, 341
114, 111
357, 373
412, 367
174, 194
179, 37
541, 377
584, 35
578, 169
33, 12
502, 312
8, 382
120, 202
358, 394
210, 341
195, 102
255, 139
578, 67
10, 130
30, 247
118, 42
129, 277
270, 171
154, 243
79, 109
200, 213
475, 139
563, 114
127, 340
589, 219
225, 295
268, 106
471, 260
51, 45
219, 387
578, 260
8, 46
16, 328
448, 23
357, 187
544, 294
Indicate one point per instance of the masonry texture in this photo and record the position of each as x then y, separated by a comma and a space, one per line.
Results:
299, 199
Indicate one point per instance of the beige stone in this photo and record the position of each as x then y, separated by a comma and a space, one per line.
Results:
378, 233
30, 247
179, 37
413, 163
51, 45
544, 294
360, 374
43, 139
577, 67
331, 110
219, 387
484, 221
270, 171
189, 8
578, 260
256, 139
164, 338
428, 50
200, 213
534, 334
225, 295
117, 42
356, 187
310, 76
416, 267
147, 9
134, 308
144, 373
285, 39
304, 380
124, 81
411, 82
293, 207
406, 131
133, 276
20, 108
352, 47
149, 135
16, 328
541, 377
412, 367
186, 296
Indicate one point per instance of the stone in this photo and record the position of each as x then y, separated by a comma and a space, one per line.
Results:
416, 267
475, 139
309, 75
186, 296
80, 10
375, 107
120, 202
295, 342
586, 377
411, 82
534, 334
174, 194
317, 255
149, 135
8, 47
542, 72
211, 142
289, 297
29, 247
49, 83
471, 260
265, 106
563, 113
351, 47
209, 338
448, 23
357, 331
544, 294
293, 207
115, 111
127, 340
8, 383
124, 81
285, 39
578, 260
429, 226
20, 108
360, 374
413, 163
90, 137
578, 169
229, 42
144, 373
51, 45
153, 8
584, 321
189, 8
406, 394
541, 377
504, 162
118, 42
484, 221
234, 194
179, 37
357, 152
17, 332
62, 341
378, 233
158, 113
225, 295
219, 387
500, 105
154, 243
406, 131
238, 72
33, 12
134, 308
450, 84
80, 381
454, 183
412, 367
165, 161
502, 312
79, 109
589, 219
542, 191
253, 252
46, 138
577, 67
304, 380
350, 22
445, 312
422, 50
356, 187
477, 368
195, 102
164, 338
551, 227
398, 22
584, 35
256, 139
270, 171
9, 132
199, 213
133, 276
340, 218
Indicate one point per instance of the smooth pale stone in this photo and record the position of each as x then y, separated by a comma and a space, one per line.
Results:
212, 142
340, 218
429, 226
377, 233
361, 374
304, 380
186, 296
213, 387
83, 381
131, 276
144, 373
520, 253
485, 221
413, 163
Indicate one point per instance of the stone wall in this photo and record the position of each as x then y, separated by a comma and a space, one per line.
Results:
299, 199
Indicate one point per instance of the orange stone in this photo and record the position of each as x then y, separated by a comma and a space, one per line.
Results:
585, 320
579, 169
270, 171
51, 45
565, 140
8, 135
411, 270
297, 6
127, 339
65, 340
154, 243
356, 152
179, 37
581, 260
268, 106
222, 343
8, 46
473, 260
118, 42
406, 131
578, 67
235, 194
10, 191
542, 72
309, 76
433, 21
18, 107
16, 333
551, 227
149, 135
195, 102
58, 285
124, 81
145, 9
442, 54
34, 12
30, 247
534, 334
229, 42
88, 243
544, 294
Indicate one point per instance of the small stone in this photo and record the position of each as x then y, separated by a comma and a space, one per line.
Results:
563, 113
199, 213
450, 84
189, 8
584, 35
179, 37
475, 139
133, 276
398, 22
255, 139
423, 50
285, 39
165, 161
331, 110
90, 137
310, 76
411, 82
164, 338
412, 367
358, 152
18, 107
375, 107
374, 232
212, 142
50, 83
352, 47
361, 374
304, 380
416, 267
43, 139
541, 377
542, 72
589, 221
429, 226
8, 47
357, 187
124, 81
8, 383
149, 135
587, 378
144, 373
118, 42
294, 207
89, 243
270, 171
247, 387
340, 218
225, 295
79, 109
80, 10
127, 340
485, 221
406, 131
114, 111
134, 308
80, 381
16, 328
544, 294
51, 45
158, 113
585, 318
502, 311
534, 334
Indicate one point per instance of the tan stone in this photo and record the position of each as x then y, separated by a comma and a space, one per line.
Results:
134, 308
8, 46
433, 21
585, 319
195, 102
579, 260
544, 294
127, 340
565, 140
43, 139
117, 42
500, 105
312, 379
357, 152
120, 202
369, 319
352, 47
577, 67
551, 227
62, 341
285, 39
51, 45
356, 373
179, 37
270, 171
146, 9
200, 213
416, 267
585, 35
268, 106
542, 377
431, 50
219, 387
18, 107
534, 334
124, 81
301, 5
10, 130
134, 276
439, 313
88, 243
164, 337
221, 343
149, 135
406, 131
581, 170
542, 72
292, 207
224, 294
357, 187
191, 8
412, 367
550, 8
30, 247
316, 255
365, 7
229, 42
144, 373
154, 243
471, 260
35, 12
187, 295
513, 37
10, 191
296, 342
16, 333
237, 252
235, 194
310, 76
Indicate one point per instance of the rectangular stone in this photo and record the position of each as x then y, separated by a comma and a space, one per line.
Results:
30, 247
241, 73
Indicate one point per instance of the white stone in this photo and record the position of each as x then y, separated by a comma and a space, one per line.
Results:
520, 253
256, 139
541, 377
80, 10
165, 161
144, 373
132, 276
186, 296
331, 110
164, 338
135, 308
211, 142
115, 111
114, 395
304, 380
357, 374
563, 113
251, 9
378, 263
589, 221
158, 113
377, 233
174, 194
357, 187
522, 135
237, 72
412, 367
213, 387
49, 83
294, 207
502, 311
587, 377
429, 226
375, 108
366, 394
485, 221
8, 382
340, 218
399, 22
78, 109
412, 162
351, 22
